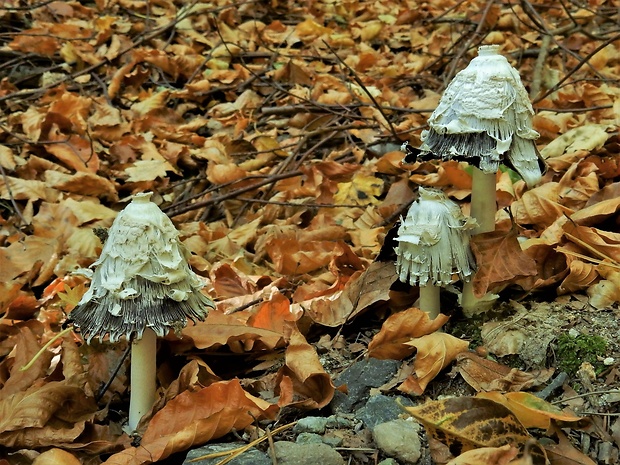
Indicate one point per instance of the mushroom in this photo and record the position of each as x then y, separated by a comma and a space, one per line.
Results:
142, 287
485, 117
433, 247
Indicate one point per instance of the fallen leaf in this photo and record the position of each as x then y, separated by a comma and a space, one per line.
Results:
500, 259
359, 293
434, 353
466, 423
532, 411
194, 418
564, 453
399, 329
311, 386
487, 375
486, 456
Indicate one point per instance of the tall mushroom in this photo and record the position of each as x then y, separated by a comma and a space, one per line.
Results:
142, 287
485, 117
433, 247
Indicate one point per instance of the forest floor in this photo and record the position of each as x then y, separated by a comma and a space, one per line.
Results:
270, 132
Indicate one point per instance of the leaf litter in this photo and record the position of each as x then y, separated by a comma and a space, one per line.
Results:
270, 135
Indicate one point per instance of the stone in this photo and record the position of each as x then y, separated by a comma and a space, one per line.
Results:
250, 457
290, 453
389, 461
380, 409
309, 438
399, 439
311, 425
340, 421
359, 379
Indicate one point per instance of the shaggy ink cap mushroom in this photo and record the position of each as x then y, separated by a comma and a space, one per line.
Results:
141, 280
433, 242
485, 118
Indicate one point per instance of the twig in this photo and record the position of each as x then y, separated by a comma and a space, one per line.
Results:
452, 71
18, 212
366, 91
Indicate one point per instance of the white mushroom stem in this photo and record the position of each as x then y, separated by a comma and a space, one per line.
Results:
483, 201
483, 208
143, 369
429, 300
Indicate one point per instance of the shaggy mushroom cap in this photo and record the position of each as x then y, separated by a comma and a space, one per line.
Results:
141, 280
485, 117
433, 242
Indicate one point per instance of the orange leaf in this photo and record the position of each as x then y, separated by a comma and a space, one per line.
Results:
565, 453
194, 418
359, 293
400, 328
486, 375
500, 260
219, 329
486, 456
303, 368
434, 353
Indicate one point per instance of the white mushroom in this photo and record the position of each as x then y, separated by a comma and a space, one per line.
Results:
433, 247
485, 117
141, 288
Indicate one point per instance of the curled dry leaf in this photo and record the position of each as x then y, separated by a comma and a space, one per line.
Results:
486, 456
487, 375
370, 286
302, 381
500, 260
434, 353
231, 330
399, 329
564, 452
193, 418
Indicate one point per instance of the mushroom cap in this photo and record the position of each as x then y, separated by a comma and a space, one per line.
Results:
485, 117
433, 242
142, 279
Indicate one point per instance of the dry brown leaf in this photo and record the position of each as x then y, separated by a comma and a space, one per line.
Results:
219, 329
359, 293
466, 423
532, 411
25, 346
193, 418
56, 457
302, 381
564, 453
400, 328
486, 456
500, 260
434, 353
540, 206
487, 375
44, 415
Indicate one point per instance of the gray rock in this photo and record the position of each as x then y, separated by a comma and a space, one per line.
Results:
250, 457
309, 438
339, 421
332, 441
380, 409
389, 461
359, 378
399, 439
290, 453
311, 425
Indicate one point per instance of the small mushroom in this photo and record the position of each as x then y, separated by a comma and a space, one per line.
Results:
142, 287
485, 118
433, 247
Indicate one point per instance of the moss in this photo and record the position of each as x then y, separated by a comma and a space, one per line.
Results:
573, 351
